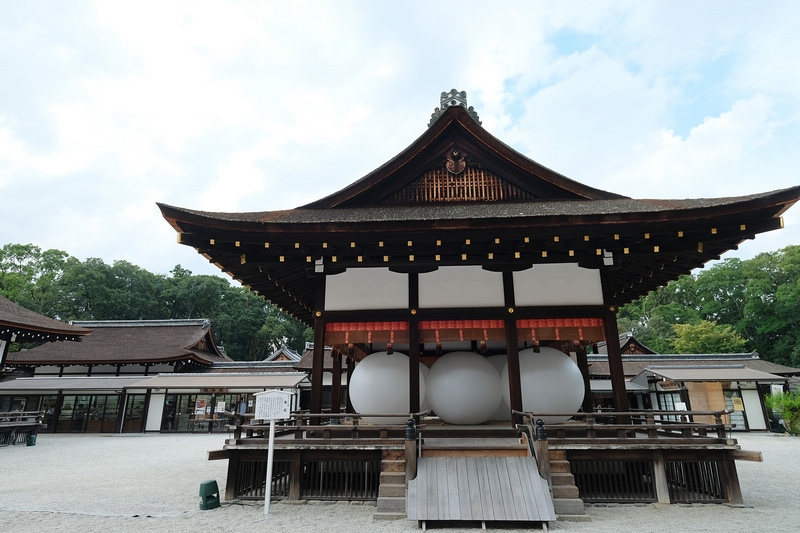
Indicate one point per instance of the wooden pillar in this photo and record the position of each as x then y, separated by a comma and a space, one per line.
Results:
732, 487
413, 344
615, 362
661, 485
121, 407
336, 383
6, 340
583, 365
350, 367
146, 409
318, 361
615, 369
317, 367
512, 346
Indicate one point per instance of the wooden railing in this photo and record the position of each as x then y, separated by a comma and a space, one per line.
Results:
631, 424
16, 427
641, 456
305, 425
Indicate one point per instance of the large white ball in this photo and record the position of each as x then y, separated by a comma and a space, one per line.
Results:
551, 383
503, 412
463, 388
379, 385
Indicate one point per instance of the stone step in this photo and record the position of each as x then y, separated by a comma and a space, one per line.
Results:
569, 507
391, 504
560, 466
393, 478
565, 492
392, 489
389, 516
393, 465
562, 478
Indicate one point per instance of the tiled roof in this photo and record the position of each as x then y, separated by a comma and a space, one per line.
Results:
30, 326
129, 342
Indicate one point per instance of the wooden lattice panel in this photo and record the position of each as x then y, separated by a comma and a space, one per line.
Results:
473, 184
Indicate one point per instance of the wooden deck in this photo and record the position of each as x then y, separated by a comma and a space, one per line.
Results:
482, 489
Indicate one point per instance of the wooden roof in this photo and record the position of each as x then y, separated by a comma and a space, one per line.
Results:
459, 196
28, 326
130, 342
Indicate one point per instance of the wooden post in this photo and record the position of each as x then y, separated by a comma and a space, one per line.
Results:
350, 367
234, 464
336, 383
411, 451
413, 344
317, 366
514, 383
295, 476
512, 346
583, 365
615, 363
732, 488
660, 477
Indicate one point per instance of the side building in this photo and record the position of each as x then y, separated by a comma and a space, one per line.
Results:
695, 382
136, 376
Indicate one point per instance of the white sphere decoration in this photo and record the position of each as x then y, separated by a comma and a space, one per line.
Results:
379, 385
503, 412
551, 383
463, 388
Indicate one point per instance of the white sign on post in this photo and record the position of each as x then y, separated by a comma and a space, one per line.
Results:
272, 405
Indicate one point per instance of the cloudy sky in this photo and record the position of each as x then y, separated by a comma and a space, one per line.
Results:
109, 107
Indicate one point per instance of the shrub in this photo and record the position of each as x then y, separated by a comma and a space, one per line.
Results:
787, 406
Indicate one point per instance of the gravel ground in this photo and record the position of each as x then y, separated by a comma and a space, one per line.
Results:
150, 483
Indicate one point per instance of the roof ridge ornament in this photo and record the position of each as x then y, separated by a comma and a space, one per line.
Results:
453, 98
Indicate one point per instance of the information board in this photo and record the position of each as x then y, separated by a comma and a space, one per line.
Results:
273, 405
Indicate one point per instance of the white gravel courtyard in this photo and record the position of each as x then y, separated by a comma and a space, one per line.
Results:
149, 482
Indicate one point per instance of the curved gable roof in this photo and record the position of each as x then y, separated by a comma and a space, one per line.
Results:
457, 131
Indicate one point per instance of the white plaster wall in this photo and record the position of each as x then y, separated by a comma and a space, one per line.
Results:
366, 288
558, 284
461, 287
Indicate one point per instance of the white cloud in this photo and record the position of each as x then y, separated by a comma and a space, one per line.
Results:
269, 105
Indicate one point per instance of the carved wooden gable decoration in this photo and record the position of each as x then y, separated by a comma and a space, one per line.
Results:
457, 161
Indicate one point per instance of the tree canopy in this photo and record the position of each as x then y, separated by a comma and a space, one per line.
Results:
732, 306
55, 284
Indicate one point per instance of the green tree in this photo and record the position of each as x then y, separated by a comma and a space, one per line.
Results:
707, 337
787, 406
28, 275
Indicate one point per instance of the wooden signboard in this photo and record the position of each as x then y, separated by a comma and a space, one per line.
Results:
272, 405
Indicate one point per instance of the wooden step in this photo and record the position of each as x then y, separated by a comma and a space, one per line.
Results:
558, 455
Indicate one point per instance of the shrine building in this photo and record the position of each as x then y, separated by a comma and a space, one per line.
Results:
462, 249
